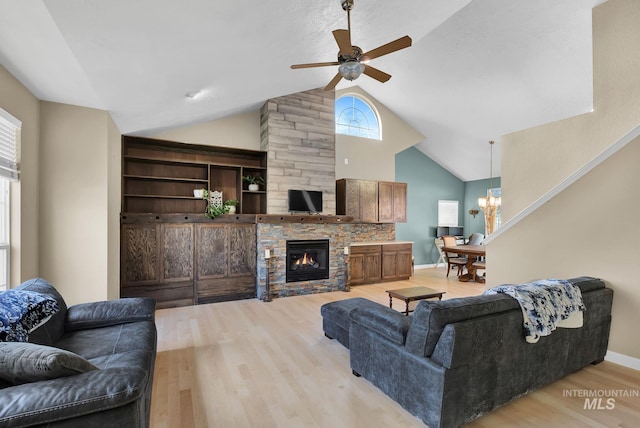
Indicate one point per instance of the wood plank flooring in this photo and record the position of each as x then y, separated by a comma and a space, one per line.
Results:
254, 364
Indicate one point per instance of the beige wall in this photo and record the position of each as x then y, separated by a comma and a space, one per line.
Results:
368, 159
535, 160
371, 159
242, 131
590, 228
17, 100
74, 201
114, 168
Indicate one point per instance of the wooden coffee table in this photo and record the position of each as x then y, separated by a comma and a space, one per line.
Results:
413, 293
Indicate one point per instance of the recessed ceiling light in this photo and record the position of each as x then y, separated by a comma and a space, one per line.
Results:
192, 95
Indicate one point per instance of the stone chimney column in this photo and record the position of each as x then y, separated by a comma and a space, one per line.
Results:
298, 132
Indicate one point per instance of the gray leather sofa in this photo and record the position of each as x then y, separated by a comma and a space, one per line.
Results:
118, 340
454, 360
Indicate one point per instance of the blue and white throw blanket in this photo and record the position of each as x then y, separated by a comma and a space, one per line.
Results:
546, 304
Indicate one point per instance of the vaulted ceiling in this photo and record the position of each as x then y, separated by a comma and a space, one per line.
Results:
476, 70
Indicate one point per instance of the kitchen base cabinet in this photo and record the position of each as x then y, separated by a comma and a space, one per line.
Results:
379, 262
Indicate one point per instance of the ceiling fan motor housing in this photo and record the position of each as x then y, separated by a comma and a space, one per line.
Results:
355, 56
347, 4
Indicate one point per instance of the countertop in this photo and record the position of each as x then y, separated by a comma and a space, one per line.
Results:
359, 244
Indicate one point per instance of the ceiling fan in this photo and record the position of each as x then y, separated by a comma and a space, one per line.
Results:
351, 59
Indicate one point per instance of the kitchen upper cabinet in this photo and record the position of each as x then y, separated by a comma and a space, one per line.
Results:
369, 201
358, 199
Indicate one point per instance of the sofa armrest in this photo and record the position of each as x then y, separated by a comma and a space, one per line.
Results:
111, 312
385, 321
40, 403
455, 346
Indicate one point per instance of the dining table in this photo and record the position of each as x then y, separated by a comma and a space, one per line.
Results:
473, 253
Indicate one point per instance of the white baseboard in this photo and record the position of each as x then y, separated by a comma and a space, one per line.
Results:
432, 265
623, 360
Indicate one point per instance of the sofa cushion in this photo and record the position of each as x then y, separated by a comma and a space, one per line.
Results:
387, 322
22, 311
97, 342
430, 318
28, 362
113, 312
51, 331
336, 320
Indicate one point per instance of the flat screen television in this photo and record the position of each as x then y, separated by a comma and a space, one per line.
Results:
305, 201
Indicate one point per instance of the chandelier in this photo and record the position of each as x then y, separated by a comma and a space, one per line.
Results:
490, 204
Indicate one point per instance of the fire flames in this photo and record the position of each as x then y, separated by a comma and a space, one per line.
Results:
305, 261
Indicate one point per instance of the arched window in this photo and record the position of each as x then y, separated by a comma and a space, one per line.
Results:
355, 116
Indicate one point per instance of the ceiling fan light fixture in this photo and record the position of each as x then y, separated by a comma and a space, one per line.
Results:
351, 70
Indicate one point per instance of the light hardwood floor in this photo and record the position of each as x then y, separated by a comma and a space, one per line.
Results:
254, 364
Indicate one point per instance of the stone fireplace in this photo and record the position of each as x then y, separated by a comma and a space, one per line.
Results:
273, 232
307, 260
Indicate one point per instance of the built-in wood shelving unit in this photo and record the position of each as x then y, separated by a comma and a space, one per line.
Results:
159, 176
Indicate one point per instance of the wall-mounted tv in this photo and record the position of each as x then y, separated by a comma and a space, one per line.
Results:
305, 201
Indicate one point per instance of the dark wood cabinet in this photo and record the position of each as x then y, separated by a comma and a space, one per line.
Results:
370, 201
385, 201
226, 262
358, 199
160, 176
189, 262
396, 262
157, 262
399, 202
364, 264
375, 263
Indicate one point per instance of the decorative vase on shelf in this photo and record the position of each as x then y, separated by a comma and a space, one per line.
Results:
253, 187
232, 209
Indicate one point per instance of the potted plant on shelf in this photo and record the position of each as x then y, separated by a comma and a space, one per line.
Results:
215, 206
254, 181
231, 205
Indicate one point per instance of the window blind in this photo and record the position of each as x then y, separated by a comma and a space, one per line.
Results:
9, 128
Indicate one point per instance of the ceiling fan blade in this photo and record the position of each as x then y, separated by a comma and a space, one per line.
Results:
343, 39
333, 82
314, 64
396, 45
380, 76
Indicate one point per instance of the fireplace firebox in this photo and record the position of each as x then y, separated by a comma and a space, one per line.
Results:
307, 260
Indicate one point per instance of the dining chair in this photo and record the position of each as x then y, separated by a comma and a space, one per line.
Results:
441, 257
475, 239
453, 259
480, 265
